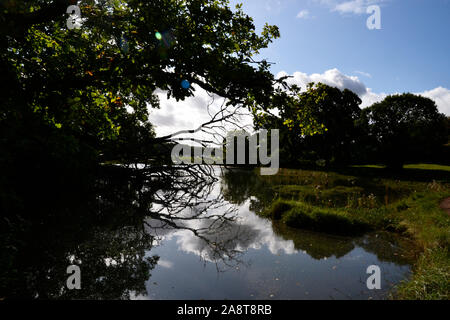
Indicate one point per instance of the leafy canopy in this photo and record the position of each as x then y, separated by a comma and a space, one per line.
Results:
93, 85
319, 123
405, 127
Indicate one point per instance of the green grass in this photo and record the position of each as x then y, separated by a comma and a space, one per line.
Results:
359, 199
377, 166
430, 280
424, 166
332, 197
299, 215
421, 166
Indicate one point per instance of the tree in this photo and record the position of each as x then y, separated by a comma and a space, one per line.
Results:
405, 127
89, 89
318, 124
72, 99
108, 231
337, 111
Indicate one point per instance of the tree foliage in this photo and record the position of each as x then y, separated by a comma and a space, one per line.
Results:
90, 88
404, 128
318, 124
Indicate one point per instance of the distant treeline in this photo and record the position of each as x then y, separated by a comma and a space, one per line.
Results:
400, 129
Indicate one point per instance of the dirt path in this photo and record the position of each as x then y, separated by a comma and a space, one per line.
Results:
445, 205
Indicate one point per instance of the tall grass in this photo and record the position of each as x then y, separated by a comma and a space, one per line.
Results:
353, 202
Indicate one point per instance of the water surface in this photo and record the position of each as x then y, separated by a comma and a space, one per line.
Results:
148, 235
262, 259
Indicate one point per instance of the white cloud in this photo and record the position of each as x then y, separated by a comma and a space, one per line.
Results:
332, 77
189, 114
355, 6
370, 97
368, 75
246, 231
349, 6
165, 264
303, 14
335, 78
442, 98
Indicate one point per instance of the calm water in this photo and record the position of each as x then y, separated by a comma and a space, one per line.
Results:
261, 259
142, 237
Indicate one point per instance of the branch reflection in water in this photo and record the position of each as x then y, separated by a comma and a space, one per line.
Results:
110, 223
106, 222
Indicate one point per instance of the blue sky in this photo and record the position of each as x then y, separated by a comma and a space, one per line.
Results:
409, 53
328, 41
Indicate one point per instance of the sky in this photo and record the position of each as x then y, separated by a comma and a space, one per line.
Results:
329, 41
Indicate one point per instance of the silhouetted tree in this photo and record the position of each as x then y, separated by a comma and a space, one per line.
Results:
318, 124
106, 224
337, 111
404, 128
83, 95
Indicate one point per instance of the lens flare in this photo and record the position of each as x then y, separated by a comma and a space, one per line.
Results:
158, 35
185, 84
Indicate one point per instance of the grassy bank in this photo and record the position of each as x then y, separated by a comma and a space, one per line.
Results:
373, 199
301, 215
430, 280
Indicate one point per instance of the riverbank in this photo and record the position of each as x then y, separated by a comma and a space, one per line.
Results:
357, 200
